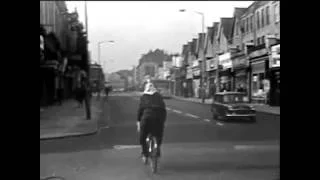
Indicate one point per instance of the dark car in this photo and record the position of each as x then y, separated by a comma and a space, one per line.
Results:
232, 105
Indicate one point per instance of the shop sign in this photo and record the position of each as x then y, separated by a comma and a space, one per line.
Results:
275, 56
225, 61
196, 72
189, 73
211, 64
240, 62
195, 63
258, 53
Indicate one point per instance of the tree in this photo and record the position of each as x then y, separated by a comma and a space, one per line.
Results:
157, 56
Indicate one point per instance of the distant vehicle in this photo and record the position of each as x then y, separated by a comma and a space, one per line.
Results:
232, 105
164, 87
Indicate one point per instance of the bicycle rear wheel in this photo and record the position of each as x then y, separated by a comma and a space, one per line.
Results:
153, 155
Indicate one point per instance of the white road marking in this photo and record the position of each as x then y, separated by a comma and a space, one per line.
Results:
168, 109
177, 111
219, 124
256, 147
207, 120
119, 147
191, 115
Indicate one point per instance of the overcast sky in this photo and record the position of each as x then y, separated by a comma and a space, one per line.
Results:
137, 27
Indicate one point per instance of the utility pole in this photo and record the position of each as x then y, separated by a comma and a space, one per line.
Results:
88, 94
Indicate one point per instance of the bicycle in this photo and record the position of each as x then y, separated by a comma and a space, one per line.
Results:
152, 146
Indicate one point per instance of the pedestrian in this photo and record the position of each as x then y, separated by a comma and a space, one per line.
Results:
60, 79
151, 118
106, 89
80, 86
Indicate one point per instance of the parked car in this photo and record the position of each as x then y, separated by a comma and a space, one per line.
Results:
232, 105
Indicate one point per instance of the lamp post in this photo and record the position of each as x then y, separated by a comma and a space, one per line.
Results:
99, 46
87, 99
203, 61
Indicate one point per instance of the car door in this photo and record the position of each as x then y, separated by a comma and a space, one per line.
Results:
216, 106
222, 107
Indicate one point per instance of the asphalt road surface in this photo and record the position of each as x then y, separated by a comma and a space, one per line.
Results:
195, 146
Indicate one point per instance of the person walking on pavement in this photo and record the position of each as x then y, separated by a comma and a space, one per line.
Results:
81, 90
60, 81
151, 118
107, 89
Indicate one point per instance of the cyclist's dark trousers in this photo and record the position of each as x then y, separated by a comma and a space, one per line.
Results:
154, 126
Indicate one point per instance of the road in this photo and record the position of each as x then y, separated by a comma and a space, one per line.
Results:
195, 147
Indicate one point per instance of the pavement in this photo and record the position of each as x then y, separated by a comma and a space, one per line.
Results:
68, 120
196, 146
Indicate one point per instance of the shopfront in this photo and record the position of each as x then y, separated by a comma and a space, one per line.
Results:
188, 90
179, 85
259, 81
274, 71
211, 68
225, 73
240, 70
196, 79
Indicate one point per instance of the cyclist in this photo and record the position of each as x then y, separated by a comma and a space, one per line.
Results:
151, 118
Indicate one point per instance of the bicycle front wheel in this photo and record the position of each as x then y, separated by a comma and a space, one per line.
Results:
154, 164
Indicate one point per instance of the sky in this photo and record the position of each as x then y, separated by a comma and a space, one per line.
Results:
139, 26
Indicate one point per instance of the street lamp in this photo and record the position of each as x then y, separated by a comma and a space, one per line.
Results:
200, 13
203, 65
99, 46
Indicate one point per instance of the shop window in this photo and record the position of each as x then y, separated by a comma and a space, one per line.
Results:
267, 15
247, 27
258, 19
251, 23
276, 13
257, 85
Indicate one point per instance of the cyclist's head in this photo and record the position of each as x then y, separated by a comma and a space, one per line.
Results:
149, 89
